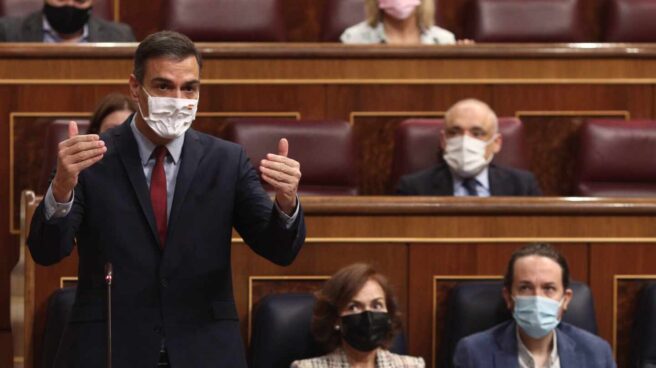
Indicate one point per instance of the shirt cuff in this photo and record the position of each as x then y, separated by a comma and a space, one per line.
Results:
55, 209
287, 220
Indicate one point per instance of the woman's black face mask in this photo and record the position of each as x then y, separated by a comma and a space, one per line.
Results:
367, 330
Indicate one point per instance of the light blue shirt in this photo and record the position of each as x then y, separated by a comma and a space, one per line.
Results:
51, 36
171, 168
482, 181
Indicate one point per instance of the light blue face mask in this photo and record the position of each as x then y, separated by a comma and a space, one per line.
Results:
536, 315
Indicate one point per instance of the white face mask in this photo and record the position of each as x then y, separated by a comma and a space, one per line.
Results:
169, 117
466, 155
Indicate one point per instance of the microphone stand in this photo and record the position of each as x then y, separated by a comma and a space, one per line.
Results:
108, 280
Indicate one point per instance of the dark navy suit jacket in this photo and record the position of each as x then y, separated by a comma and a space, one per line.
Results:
497, 348
182, 294
437, 180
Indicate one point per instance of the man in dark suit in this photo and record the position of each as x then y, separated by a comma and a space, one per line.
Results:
158, 201
536, 290
469, 140
68, 21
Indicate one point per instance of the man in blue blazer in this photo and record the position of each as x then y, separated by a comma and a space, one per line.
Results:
536, 291
158, 201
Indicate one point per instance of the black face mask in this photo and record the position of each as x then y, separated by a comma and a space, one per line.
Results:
66, 19
367, 330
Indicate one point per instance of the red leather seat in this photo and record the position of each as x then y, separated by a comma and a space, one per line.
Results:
630, 21
417, 145
226, 20
524, 21
338, 15
325, 150
57, 132
17, 8
617, 158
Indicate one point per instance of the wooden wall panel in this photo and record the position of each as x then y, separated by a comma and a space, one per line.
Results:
608, 261
553, 160
627, 291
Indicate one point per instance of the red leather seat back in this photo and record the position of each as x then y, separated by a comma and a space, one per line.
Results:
325, 150
524, 21
17, 8
57, 132
630, 21
338, 15
617, 158
226, 20
417, 145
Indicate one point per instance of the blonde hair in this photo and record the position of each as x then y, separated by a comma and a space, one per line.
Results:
425, 13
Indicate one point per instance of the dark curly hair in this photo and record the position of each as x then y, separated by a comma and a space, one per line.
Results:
335, 296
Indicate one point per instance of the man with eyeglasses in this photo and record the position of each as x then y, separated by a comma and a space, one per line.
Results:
469, 140
63, 21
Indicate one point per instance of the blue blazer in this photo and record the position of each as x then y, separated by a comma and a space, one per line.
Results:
497, 348
183, 294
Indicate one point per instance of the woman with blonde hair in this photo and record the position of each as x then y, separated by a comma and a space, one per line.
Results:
398, 22
356, 318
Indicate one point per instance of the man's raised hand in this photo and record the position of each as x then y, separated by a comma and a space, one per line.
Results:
283, 174
74, 155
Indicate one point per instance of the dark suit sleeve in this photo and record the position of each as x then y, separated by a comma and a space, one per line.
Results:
258, 221
3, 31
51, 240
126, 33
404, 187
533, 186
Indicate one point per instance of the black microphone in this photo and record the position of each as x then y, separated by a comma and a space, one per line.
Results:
109, 274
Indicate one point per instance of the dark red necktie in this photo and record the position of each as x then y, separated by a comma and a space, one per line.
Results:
158, 193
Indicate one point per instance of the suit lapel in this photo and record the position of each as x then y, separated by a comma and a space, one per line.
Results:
192, 153
567, 351
442, 181
506, 355
128, 151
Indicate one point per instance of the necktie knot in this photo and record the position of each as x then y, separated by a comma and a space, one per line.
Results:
159, 153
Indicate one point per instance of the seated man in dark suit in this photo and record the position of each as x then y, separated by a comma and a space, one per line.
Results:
536, 289
68, 21
470, 139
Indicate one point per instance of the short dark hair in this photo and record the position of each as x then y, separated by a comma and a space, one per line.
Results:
166, 44
536, 249
109, 104
335, 296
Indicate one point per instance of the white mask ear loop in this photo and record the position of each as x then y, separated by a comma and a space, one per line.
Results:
139, 103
